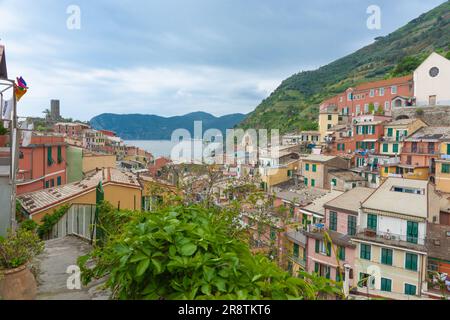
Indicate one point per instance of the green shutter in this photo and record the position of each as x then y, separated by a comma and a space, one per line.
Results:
317, 246
306, 181
351, 225
386, 285
296, 251
314, 168
385, 147
411, 261
412, 232
334, 182
448, 149
342, 253
445, 168
365, 251
372, 222
333, 221
316, 267
307, 167
58, 181
386, 256
60, 159
329, 249
313, 182
390, 132
386, 169
395, 148
410, 289
49, 156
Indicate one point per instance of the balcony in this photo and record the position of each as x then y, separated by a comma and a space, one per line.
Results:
298, 260
403, 240
420, 150
23, 175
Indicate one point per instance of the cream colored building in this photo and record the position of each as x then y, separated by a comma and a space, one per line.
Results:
432, 81
396, 132
391, 255
327, 120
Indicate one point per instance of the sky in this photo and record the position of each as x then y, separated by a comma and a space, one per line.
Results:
172, 57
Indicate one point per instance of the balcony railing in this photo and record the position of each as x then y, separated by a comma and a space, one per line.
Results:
299, 260
419, 150
389, 236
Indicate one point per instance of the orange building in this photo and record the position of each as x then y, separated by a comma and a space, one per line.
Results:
69, 129
42, 164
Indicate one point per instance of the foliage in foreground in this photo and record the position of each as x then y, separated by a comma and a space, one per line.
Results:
188, 253
19, 248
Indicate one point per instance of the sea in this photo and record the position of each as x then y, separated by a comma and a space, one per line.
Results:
159, 148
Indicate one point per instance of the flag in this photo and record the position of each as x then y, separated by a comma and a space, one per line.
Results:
20, 88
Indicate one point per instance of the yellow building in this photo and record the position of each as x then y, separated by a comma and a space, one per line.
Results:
443, 168
395, 132
121, 189
404, 171
156, 192
272, 176
327, 120
315, 169
92, 161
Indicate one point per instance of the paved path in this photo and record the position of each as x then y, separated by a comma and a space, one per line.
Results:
59, 254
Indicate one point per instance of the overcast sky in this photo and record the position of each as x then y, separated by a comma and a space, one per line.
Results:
172, 57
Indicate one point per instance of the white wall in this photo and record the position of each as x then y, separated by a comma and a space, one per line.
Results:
426, 86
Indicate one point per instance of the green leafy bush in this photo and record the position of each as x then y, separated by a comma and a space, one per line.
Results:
50, 220
188, 253
29, 225
18, 248
3, 131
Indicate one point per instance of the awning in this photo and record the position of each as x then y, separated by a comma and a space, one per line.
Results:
370, 140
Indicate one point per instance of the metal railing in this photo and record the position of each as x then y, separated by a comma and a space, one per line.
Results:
79, 220
420, 150
389, 236
298, 260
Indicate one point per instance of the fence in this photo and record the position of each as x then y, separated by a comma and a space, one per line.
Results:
79, 221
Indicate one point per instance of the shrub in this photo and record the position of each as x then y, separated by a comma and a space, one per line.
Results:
50, 220
29, 225
3, 131
187, 253
19, 248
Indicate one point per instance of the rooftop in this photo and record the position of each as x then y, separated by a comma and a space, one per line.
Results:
401, 122
413, 201
350, 200
302, 197
318, 158
384, 83
346, 175
431, 133
317, 204
34, 202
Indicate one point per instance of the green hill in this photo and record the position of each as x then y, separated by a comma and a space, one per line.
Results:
294, 105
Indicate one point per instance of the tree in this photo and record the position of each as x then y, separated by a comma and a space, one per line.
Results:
187, 253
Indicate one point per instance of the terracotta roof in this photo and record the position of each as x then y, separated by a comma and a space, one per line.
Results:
431, 133
384, 83
34, 202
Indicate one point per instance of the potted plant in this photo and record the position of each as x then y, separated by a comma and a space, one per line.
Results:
3, 135
17, 250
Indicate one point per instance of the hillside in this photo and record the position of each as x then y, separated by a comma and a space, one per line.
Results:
294, 105
151, 127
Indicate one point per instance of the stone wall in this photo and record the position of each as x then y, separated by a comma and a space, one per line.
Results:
433, 115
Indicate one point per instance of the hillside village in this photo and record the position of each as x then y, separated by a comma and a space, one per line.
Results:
364, 200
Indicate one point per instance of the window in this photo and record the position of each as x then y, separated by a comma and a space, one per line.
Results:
412, 231
372, 222
410, 289
351, 225
349, 96
314, 168
296, 250
365, 251
372, 92
386, 170
394, 90
381, 92
448, 149
58, 181
273, 234
411, 261
320, 247
386, 256
313, 182
47, 184
387, 106
395, 148
385, 147
445, 168
330, 117
333, 221
60, 159
307, 167
386, 285
49, 156
341, 253
52, 183
334, 182
306, 181
390, 132
289, 173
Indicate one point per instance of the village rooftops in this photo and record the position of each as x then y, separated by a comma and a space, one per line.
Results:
35, 202
400, 196
301, 197
431, 134
401, 122
318, 158
316, 207
346, 175
384, 83
351, 200
72, 124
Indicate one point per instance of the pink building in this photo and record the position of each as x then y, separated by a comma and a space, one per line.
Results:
71, 130
42, 164
341, 216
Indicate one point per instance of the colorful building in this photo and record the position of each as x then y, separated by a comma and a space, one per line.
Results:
42, 164
70, 129
391, 252
121, 189
315, 169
